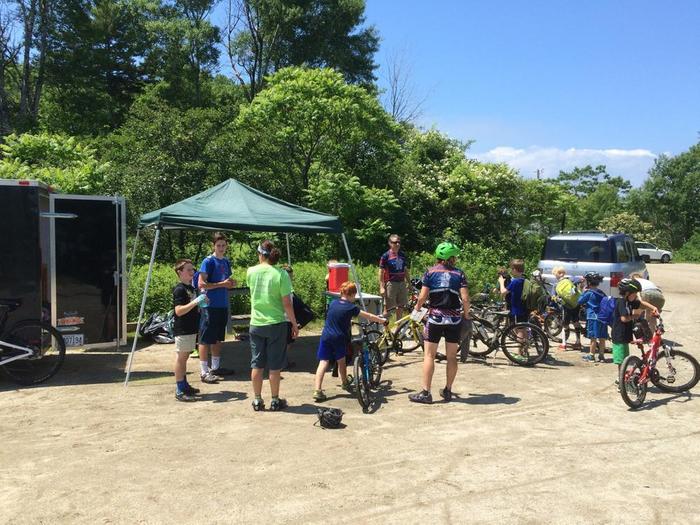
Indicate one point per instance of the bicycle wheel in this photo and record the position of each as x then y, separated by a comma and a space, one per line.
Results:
525, 344
553, 325
48, 347
481, 342
632, 390
375, 367
410, 334
362, 389
677, 372
381, 342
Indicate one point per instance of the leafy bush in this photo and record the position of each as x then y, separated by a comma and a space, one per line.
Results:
160, 296
57, 160
690, 251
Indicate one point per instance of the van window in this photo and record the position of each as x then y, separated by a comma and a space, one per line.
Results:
632, 250
622, 255
577, 250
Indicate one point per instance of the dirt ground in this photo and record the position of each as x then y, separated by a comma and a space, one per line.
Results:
552, 444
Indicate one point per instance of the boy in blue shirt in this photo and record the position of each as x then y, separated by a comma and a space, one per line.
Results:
214, 280
336, 336
596, 330
514, 290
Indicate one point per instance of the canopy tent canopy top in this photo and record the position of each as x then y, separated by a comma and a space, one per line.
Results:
232, 205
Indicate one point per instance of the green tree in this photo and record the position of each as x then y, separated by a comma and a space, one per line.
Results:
308, 121
669, 197
185, 52
263, 36
57, 160
584, 181
631, 224
367, 213
94, 67
163, 153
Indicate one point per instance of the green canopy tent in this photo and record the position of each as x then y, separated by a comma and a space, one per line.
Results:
233, 205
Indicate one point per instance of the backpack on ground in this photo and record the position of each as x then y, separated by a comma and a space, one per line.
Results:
606, 310
532, 296
568, 292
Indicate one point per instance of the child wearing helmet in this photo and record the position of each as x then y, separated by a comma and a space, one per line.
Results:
628, 307
446, 286
596, 330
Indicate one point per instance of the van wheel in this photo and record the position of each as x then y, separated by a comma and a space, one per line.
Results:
665, 258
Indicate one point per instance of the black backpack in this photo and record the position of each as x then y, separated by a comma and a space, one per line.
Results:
302, 312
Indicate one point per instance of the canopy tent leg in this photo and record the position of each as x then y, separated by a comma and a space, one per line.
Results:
133, 252
354, 272
143, 306
289, 252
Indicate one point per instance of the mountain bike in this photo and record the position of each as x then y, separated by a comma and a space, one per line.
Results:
524, 344
32, 351
367, 368
668, 369
402, 335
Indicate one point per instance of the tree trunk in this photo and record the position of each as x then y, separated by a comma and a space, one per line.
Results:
28, 14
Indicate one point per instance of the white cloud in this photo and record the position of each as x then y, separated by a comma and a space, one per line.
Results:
631, 164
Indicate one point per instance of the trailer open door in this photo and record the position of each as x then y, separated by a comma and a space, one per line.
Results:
88, 277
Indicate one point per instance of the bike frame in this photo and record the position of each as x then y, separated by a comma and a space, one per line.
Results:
27, 353
650, 356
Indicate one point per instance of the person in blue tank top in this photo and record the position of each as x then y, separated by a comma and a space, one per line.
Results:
445, 286
214, 280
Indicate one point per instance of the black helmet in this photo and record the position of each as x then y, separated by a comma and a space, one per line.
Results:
628, 285
330, 417
593, 278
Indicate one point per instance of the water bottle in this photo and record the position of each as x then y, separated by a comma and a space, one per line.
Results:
202, 299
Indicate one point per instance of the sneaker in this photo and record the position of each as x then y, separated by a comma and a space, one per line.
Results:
184, 396
258, 405
210, 378
423, 396
194, 354
278, 404
348, 385
446, 394
221, 371
601, 358
190, 390
577, 346
320, 396
562, 347
589, 358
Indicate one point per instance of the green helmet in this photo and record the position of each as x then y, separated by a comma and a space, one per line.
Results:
445, 250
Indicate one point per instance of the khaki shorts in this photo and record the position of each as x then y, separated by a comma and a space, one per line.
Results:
185, 343
396, 294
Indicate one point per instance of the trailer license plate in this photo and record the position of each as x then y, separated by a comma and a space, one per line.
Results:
73, 339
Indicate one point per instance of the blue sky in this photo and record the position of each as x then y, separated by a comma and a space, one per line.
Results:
552, 84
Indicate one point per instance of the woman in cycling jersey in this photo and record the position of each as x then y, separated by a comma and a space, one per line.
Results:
445, 286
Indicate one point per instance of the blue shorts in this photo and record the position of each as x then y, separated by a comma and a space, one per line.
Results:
331, 350
596, 330
212, 325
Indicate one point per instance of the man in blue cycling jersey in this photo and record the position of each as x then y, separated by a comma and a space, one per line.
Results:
446, 287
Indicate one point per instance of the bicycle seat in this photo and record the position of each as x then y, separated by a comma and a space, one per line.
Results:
505, 313
10, 304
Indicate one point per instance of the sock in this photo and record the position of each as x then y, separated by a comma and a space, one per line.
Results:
204, 367
215, 362
181, 385
275, 398
258, 397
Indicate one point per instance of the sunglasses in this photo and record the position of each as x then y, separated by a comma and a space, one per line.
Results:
394, 242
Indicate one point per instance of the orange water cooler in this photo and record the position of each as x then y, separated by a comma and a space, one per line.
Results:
337, 275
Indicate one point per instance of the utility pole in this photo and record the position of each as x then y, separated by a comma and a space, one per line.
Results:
539, 173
